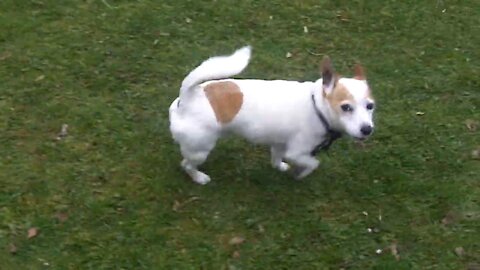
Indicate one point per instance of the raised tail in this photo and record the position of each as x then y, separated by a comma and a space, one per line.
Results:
218, 67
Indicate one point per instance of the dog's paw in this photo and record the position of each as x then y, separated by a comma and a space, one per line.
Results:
201, 178
283, 167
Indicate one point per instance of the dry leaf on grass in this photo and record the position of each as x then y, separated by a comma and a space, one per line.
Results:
471, 124
236, 254
314, 53
32, 232
342, 16
476, 153
61, 216
5, 55
39, 78
473, 266
12, 248
63, 132
261, 229
394, 250
178, 205
450, 217
460, 251
237, 240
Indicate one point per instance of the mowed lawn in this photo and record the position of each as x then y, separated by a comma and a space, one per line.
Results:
109, 193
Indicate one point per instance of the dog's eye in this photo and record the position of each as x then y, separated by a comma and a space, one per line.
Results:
370, 106
346, 108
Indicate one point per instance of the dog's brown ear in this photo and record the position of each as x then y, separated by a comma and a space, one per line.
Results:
328, 75
360, 73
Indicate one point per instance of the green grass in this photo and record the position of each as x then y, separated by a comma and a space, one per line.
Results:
109, 69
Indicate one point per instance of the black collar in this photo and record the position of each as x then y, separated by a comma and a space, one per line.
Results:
332, 135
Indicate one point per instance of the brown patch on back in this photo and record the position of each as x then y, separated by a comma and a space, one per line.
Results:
338, 96
225, 98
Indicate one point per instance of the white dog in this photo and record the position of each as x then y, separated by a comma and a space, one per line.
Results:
296, 119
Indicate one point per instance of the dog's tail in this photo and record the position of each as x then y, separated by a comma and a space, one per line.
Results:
218, 67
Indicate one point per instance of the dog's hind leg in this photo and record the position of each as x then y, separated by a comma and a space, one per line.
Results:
190, 166
277, 152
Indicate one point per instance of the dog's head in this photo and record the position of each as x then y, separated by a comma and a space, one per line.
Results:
350, 101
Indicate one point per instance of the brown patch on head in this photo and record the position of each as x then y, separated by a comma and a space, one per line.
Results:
339, 96
225, 98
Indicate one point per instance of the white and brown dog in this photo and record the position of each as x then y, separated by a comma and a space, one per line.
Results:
294, 118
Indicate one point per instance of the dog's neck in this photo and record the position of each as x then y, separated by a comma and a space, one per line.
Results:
323, 107
331, 133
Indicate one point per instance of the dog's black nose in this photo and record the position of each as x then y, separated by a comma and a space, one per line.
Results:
366, 130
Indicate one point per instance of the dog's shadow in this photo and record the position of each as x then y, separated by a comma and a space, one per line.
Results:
235, 160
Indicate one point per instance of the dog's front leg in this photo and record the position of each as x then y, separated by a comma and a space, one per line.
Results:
304, 163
